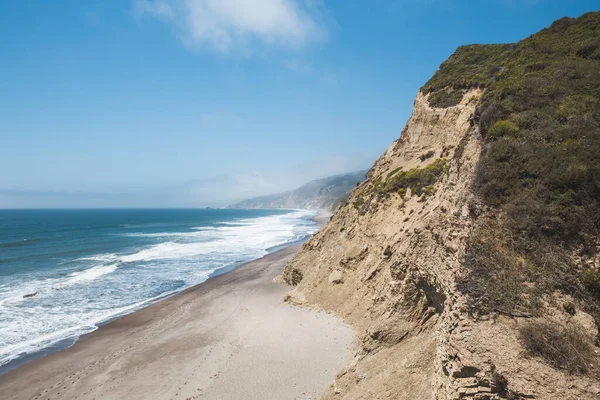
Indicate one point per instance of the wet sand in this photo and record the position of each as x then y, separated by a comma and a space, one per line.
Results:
231, 337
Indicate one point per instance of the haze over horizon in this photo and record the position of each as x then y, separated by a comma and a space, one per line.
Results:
189, 103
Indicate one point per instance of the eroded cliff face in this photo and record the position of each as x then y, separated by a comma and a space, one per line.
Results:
390, 261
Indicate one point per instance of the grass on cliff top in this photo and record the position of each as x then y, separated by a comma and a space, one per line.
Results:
472, 66
475, 65
566, 42
540, 169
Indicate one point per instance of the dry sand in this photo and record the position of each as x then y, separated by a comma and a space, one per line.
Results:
231, 337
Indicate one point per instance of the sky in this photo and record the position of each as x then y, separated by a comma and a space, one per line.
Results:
192, 103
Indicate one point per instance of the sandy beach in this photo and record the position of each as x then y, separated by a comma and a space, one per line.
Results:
231, 337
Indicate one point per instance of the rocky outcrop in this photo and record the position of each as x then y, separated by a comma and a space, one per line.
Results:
390, 263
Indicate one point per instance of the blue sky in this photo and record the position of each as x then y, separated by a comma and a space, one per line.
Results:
182, 103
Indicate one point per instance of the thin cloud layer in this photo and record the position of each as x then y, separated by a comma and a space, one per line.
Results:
225, 25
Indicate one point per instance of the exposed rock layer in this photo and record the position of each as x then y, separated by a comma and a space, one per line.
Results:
390, 265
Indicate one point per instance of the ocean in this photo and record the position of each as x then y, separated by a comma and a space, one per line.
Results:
65, 272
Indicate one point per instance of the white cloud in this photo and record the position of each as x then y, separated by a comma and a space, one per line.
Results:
225, 25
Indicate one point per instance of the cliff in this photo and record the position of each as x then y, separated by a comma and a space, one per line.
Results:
321, 194
468, 261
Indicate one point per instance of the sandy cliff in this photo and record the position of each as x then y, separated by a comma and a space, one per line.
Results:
404, 300
391, 262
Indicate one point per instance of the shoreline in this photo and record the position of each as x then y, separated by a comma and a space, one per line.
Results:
66, 343
320, 346
319, 218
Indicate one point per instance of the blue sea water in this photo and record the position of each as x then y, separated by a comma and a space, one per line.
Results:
64, 272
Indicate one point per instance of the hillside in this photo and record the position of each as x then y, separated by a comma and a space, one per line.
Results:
320, 194
469, 259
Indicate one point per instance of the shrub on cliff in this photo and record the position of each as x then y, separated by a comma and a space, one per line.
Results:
591, 279
502, 128
540, 172
547, 176
418, 180
445, 98
563, 347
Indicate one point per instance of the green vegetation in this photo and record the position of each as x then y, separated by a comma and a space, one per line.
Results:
429, 190
393, 172
495, 282
591, 279
563, 347
445, 98
540, 173
470, 66
418, 180
502, 128
359, 202
460, 149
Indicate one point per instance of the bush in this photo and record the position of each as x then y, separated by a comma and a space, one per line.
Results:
429, 190
460, 149
416, 179
359, 202
427, 155
575, 106
502, 128
394, 171
591, 279
445, 98
541, 172
591, 51
495, 281
470, 66
563, 347
420, 181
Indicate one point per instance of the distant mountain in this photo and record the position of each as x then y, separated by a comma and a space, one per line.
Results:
320, 194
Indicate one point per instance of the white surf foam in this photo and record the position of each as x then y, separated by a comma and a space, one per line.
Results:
87, 325
90, 274
246, 234
67, 306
